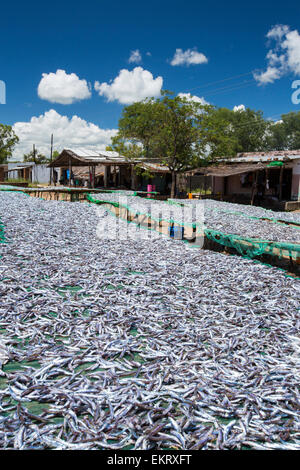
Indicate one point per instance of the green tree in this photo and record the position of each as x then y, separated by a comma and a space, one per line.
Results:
176, 132
127, 148
8, 140
285, 134
55, 154
216, 138
247, 128
165, 131
35, 157
276, 136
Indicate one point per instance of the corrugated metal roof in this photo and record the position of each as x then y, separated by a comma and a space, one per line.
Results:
155, 167
266, 156
84, 152
83, 171
228, 170
19, 168
84, 157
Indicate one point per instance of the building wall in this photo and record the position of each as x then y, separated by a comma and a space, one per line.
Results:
234, 185
35, 173
218, 184
296, 181
41, 174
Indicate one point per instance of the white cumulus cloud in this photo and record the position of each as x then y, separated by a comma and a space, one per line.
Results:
284, 57
194, 98
135, 56
63, 88
131, 86
188, 57
67, 132
240, 107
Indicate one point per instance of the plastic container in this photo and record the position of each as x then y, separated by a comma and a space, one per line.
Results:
176, 232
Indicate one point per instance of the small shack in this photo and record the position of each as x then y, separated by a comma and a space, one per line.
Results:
28, 171
254, 177
85, 164
108, 169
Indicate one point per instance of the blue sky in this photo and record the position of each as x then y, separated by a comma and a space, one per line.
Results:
94, 40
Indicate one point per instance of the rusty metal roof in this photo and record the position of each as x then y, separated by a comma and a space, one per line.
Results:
276, 155
228, 170
85, 157
155, 167
83, 171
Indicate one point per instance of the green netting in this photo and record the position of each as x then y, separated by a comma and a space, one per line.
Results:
251, 247
270, 218
145, 214
2, 235
275, 164
247, 247
12, 189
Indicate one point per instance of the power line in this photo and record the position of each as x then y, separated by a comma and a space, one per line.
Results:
221, 81
230, 88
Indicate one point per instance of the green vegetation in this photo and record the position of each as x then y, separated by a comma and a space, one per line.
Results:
35, 157
285, 134
16, 180
8, 140
171, 131
201, 191
183, 134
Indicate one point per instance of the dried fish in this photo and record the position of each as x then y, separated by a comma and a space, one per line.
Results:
139, 343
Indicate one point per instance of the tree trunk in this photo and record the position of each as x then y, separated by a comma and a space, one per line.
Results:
173, 184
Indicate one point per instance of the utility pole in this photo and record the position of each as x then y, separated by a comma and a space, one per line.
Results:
34, 167
51, 169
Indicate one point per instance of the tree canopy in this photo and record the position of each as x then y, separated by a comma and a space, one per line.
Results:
246, 128
285, 133
8, 140
35, 157
172, 131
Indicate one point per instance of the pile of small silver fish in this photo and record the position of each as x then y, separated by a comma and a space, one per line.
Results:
246, 210
214, 215
139, 343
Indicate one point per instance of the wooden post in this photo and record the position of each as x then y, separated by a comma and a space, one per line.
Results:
93, 176
132, 176
266, 178
70, 171
51, 153
280, 182
115, 176
105, 175
254, 184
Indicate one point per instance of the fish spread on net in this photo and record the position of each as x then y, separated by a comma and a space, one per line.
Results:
245, 221
247, 210
139, 343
